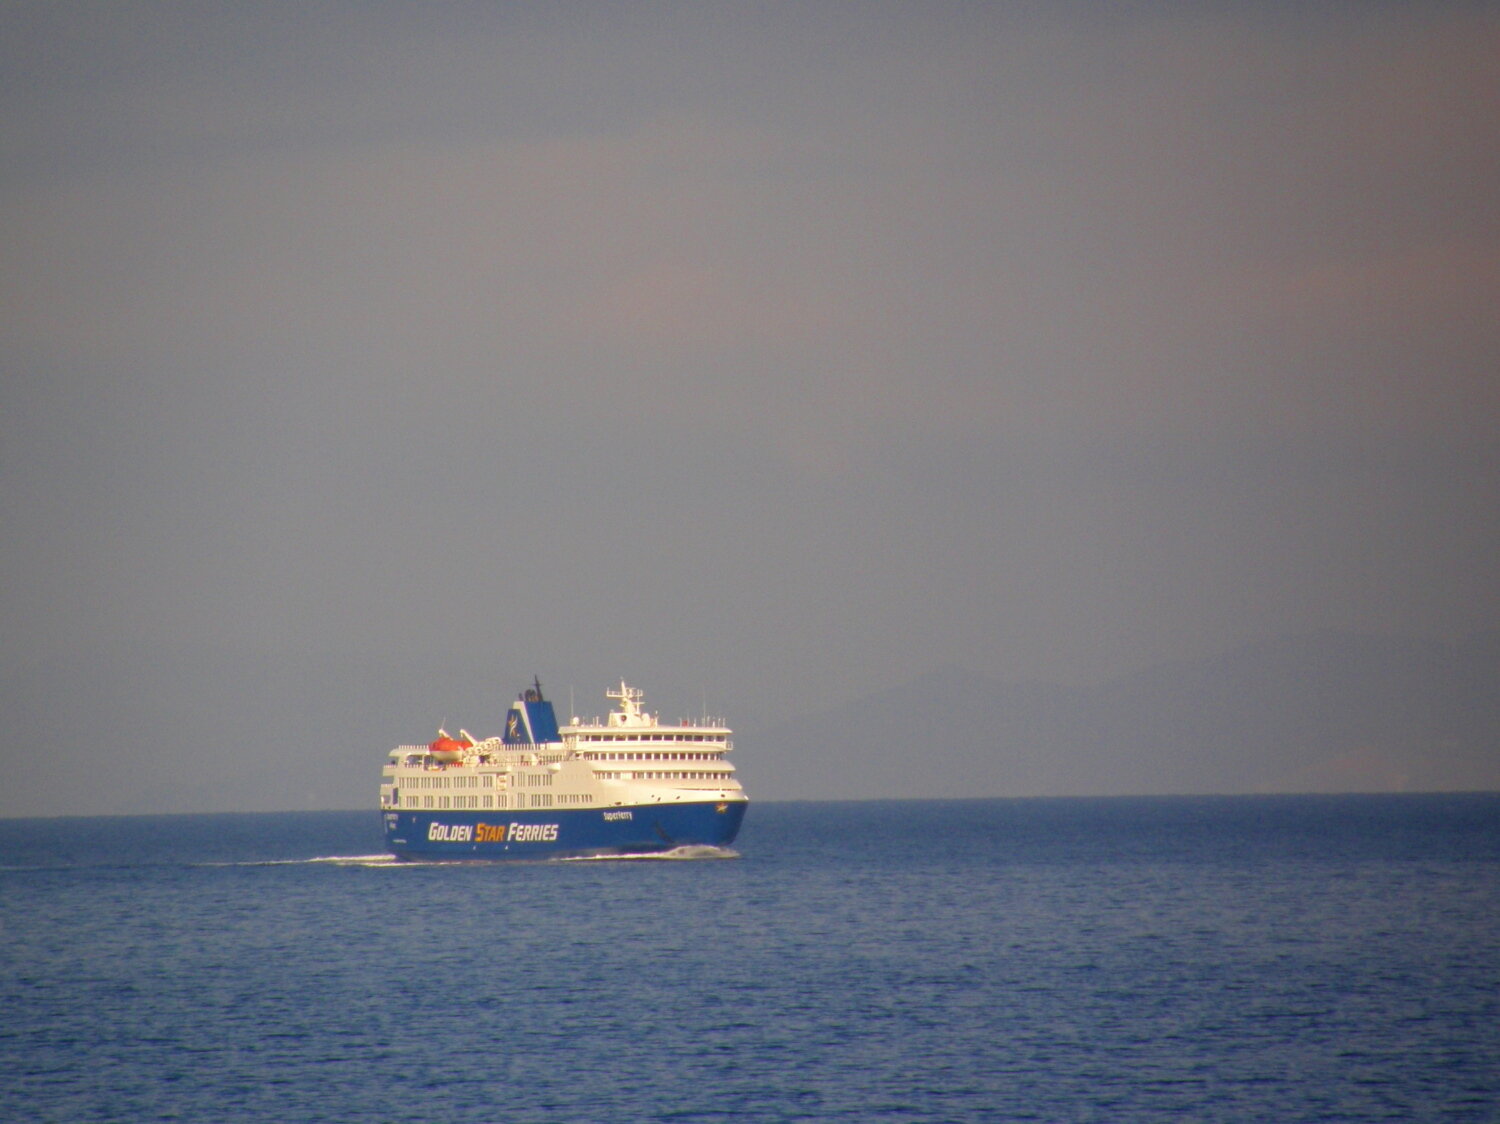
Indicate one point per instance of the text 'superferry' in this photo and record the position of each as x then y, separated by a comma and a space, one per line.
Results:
627, 785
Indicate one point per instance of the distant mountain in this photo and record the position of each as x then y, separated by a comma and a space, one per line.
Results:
1329, 712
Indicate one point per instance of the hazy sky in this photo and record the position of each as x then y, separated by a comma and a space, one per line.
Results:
361, 360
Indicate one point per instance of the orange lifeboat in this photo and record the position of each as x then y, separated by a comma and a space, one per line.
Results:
448, 749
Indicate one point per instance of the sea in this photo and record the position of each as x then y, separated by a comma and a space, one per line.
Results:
1265, 958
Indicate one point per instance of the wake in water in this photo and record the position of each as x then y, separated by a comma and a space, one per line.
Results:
335, 860
382, 859
690, 851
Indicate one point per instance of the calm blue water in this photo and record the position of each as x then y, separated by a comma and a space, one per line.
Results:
1267, 959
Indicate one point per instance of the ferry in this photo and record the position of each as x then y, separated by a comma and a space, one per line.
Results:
627, 784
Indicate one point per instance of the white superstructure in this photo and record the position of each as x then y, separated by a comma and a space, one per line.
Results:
633, 753
627, 759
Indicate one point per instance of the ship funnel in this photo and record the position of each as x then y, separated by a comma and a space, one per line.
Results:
531, 720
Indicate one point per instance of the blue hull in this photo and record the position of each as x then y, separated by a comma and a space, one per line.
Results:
554, 833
